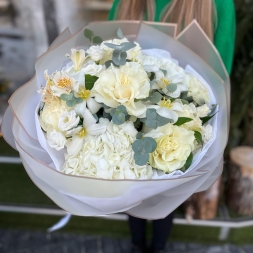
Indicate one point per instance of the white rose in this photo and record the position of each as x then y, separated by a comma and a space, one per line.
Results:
96, 53
121, 86
92, 69
173, 147
56, 139
196, 89
68, 120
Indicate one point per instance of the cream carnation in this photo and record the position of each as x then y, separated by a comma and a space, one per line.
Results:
109, 155
50, 114
196, 89
121, 86
174, 145
96, 53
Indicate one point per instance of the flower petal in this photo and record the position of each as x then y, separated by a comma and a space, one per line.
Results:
167, 113
75, 145
88, 119
93, 105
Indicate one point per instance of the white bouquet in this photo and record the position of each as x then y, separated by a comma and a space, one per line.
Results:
122, 126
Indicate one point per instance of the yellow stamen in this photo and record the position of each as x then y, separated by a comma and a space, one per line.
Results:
124, 80
84, 94
166, 81
82, 133
64, 82
166, 103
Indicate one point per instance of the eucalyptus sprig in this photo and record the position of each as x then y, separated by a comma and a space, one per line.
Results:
119, 55
93, 39
70, 99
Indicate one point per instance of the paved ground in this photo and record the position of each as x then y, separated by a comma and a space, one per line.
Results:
21, 241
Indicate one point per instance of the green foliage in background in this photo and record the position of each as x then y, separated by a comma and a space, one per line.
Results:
241, 125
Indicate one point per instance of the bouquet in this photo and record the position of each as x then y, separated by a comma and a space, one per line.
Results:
123, 124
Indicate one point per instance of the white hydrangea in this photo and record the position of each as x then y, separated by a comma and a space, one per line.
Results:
207, 133
108, 156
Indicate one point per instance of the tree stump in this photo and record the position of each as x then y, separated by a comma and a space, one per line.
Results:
204, 205
240, 185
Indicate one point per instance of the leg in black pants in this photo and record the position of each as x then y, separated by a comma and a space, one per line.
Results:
161, 231
137, 228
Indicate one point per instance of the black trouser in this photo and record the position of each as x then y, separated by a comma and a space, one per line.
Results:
161, 231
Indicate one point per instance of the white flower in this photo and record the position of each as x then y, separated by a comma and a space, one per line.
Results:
68, 120
63, 83
174, 145
190, 111
78, 58
50, 114
109, 155
121, 86
173, 75
56, 139
80, 133
92, 69
196, 89
203, 111
207, 133
96, 53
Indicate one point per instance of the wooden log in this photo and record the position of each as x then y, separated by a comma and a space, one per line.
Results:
204, 205
240, 183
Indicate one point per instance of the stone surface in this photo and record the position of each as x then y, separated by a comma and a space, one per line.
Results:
23, 241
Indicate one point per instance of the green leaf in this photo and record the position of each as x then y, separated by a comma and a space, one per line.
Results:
71, 103
88, 33
119, 58
141, 159
127, 46
207, 118
137, 146
163, 121
188, 162
156, 97
139, 135
108, 63
182, 120
120, 34
198, 137
172, 87
64, 97
122, 109
149, 144
111, 45
151, 113
97, 40
118, 119
89, 81
164, 71
78, 100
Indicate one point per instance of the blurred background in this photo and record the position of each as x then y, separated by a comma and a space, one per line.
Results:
223, 215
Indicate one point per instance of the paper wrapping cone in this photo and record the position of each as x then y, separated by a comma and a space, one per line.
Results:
150, 199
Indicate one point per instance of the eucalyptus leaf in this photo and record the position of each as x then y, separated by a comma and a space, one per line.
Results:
155, 98
95, 117
71, 103
163, 121
137, 146
172, 87
88, 33
139, 135
111, 45
182, 120
89, 81
198, 137
64, 97
78, 100
141, 159
108, 63
164, 71
149, 144
120, 34
127, 46
97, 40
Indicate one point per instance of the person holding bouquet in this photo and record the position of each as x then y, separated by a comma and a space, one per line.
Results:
217, 19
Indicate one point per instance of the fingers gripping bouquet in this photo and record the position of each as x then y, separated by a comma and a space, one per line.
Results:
120, 125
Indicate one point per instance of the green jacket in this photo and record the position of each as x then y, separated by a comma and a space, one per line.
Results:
224, 36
